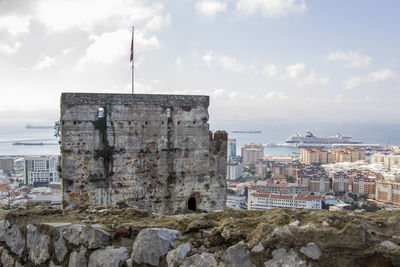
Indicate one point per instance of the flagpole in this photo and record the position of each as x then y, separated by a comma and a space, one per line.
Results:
133, 60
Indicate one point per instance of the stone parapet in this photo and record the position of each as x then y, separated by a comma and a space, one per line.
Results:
71, 99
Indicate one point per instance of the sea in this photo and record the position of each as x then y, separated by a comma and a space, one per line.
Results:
13, 132
271, 131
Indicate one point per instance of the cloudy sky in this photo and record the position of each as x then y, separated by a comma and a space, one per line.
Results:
257, 59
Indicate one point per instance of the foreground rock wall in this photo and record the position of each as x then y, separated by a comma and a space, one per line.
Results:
149, 151
128, 237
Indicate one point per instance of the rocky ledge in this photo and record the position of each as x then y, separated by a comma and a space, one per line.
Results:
115, 236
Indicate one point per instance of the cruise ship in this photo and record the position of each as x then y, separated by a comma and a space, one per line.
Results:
311, 140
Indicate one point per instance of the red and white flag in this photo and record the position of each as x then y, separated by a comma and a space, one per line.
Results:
131, 49
132, 59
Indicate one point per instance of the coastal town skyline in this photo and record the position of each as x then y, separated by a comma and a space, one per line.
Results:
264, 60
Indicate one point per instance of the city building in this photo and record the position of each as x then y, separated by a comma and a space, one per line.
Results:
350, 154
231, 149
290, 188
40, 170
319, 185
286, 169
234, 169
262, 201
315, 177
321, 156
310, 155
261, 168
390, 161
340, 182
236, 202
274, 158
306, 172
251, 153
6, 164
362, 184
388, 192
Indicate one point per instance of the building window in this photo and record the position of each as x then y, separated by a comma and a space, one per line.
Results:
100, 113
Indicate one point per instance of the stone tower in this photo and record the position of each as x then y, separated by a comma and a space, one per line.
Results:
151, 151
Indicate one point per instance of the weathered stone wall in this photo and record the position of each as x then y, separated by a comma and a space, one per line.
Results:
150, 151
113, 236
77, 245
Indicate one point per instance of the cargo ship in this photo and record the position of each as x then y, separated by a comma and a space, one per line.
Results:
252, 132
29, 126
33, 144
27, 144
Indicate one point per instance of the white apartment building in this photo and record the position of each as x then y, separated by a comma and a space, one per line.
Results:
389, 161
236, 202
40, 169
251, 153
288, 189
263, 201
234, 169
340, 182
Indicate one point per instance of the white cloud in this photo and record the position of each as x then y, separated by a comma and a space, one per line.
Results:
349, 59
380, 75
275, 96
15, 24
372, 77
299, 74
158, 21
352, 82
111, 46
86, 14
225, 62
9, 50
295, 70
67, 51
210, 7
340, 98
178, 63
313, 79
145, 42
230, 64
45, 63
369, 99
208, 58
270, 70
107, 47
271, 8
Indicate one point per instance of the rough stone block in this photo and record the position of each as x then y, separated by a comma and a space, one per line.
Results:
60, 249
15, 240
176, 256
37, 244
152, 244
78, 259
94, 237
108, 257
72, 234
237, 256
